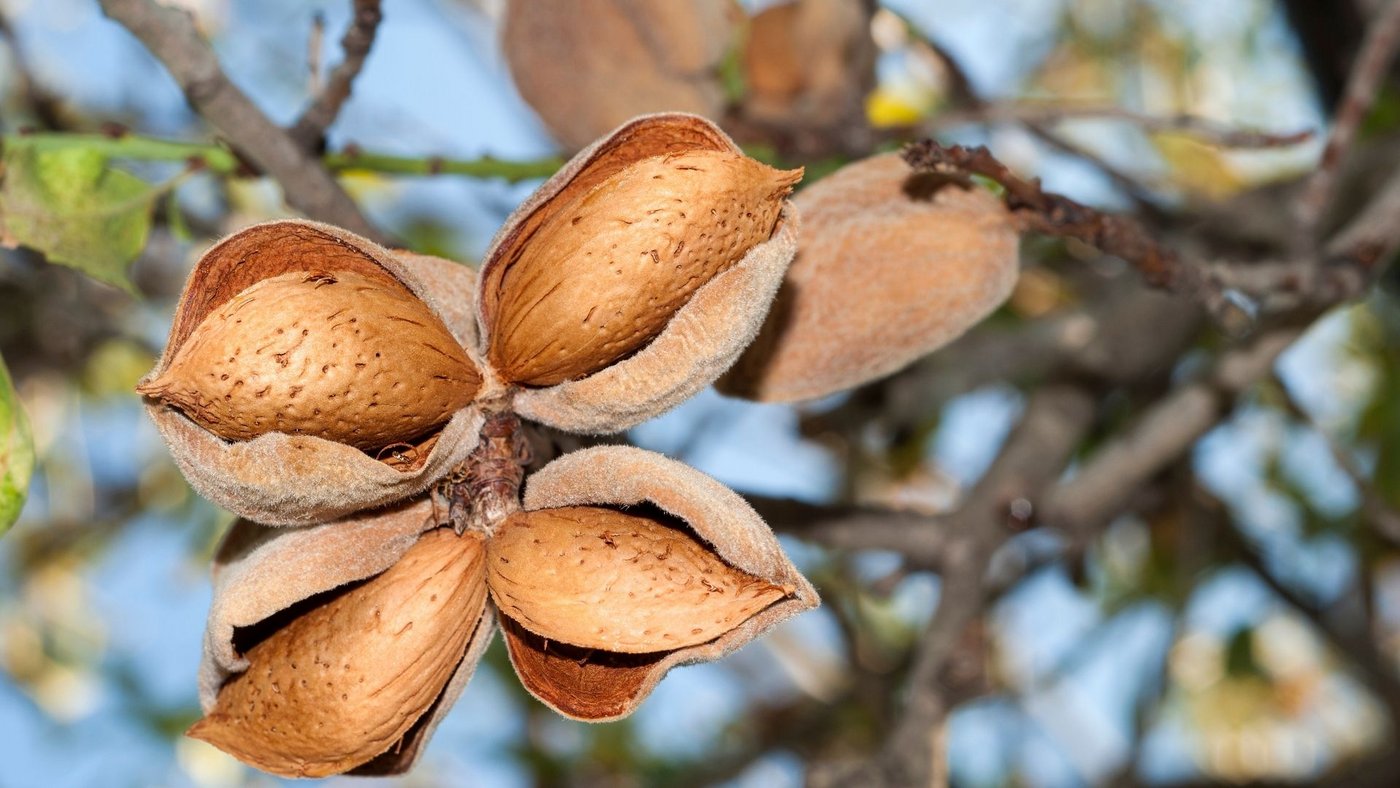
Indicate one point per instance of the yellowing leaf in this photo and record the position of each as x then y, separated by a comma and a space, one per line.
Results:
1197, 167
16, 453
70, 205
889, 106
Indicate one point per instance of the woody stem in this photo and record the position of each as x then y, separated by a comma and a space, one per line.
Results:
485, 489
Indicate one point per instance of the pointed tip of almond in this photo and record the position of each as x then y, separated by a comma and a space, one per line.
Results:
153, 388
198, 730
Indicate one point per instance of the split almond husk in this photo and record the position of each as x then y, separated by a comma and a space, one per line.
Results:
636, 275
691, 576
588, 65
308, 672
891, 266
283, 478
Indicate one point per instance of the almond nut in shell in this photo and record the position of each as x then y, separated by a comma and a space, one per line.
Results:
341, 683
606, 271
335, 354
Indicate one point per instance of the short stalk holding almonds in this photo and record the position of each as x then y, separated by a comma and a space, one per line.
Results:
340, 647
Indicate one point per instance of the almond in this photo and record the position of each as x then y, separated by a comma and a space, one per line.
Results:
346, 680
891, 265
337, 355
605, 271
599, 578
587, 65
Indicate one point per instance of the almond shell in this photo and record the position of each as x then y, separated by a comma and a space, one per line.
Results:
587, 65
282, 479
890, 267
260, 571
593, 685
702, 339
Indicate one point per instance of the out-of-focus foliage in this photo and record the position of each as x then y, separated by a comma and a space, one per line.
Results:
73, 206
16, 452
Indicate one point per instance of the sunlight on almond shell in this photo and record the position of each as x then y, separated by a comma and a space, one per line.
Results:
599, 578
344, 682
337, 355
607, 270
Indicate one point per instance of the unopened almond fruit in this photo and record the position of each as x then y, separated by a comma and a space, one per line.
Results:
344, 682
891, 265
606, 270
600, 578
333, 354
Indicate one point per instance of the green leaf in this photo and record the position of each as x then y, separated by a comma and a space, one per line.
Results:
80, 212
16, 453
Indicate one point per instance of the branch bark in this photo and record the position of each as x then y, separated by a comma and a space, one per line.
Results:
170, 34
310, 129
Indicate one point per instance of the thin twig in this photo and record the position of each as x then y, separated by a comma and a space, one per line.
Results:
1382, 517
170, 34
1057, 215
46, 106
311, 127
1363, 84
1054, 421
919, 538
215, 158
1205, 130
962, 94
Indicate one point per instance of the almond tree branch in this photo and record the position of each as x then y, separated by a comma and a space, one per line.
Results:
1382, 517
216, 158
1055, 419
1363, 84
310, 128
170, 34
919, 538
1207, 131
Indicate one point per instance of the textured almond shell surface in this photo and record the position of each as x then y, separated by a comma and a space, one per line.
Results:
595, 685
260, 571
600, 578
340, 684
607, 270
704, 337
890, 267
334, 354
588, 65
281, 479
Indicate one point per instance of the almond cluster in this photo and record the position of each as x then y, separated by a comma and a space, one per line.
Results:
332, 393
